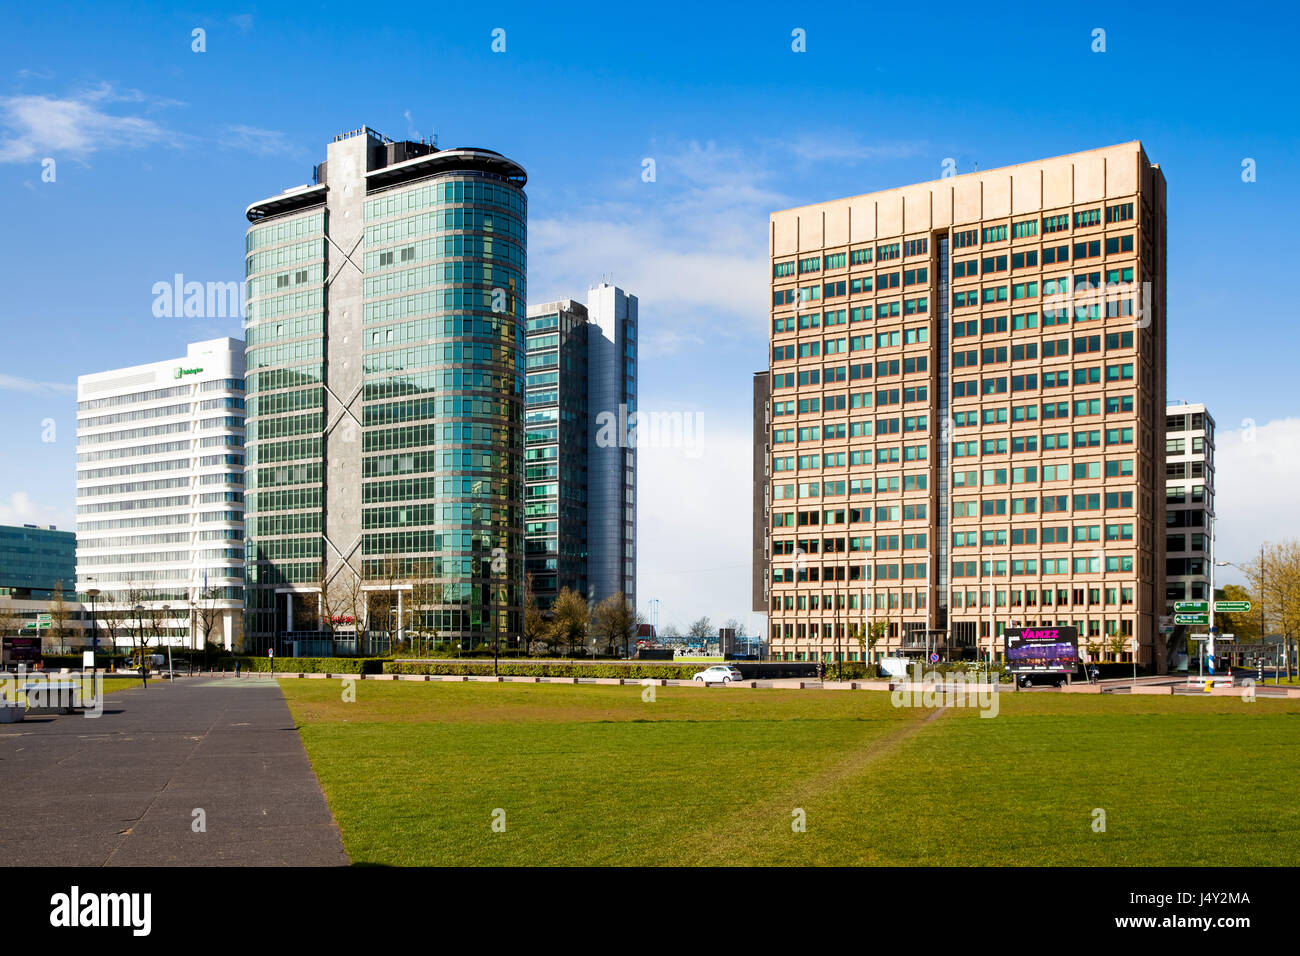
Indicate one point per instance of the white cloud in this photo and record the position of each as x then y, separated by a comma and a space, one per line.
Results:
260, 142
35, 126
847, 148
20, 509
694, 529
15, 383
693, 243
1255, 489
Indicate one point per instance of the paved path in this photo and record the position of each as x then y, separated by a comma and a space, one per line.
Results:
121, 789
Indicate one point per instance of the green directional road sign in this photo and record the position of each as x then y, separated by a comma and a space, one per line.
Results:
1191, 619
37, 625
1231, 607
1191, 607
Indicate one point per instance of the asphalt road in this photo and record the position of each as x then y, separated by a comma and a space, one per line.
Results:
122, 789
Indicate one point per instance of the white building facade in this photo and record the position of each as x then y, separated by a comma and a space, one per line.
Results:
160, 497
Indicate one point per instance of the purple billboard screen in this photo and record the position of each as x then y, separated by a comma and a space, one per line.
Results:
1042, 649
22, 649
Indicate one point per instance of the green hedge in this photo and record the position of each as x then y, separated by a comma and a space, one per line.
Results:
73, 661
631, 671
308, 665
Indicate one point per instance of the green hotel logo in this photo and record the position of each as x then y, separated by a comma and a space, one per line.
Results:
187, 371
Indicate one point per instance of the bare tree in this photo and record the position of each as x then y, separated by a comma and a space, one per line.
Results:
205, 615
570, 621
702, 629
109, 618
59, 617
352, 601
332, 592
616, 622
8, 618
535, 626
392, 616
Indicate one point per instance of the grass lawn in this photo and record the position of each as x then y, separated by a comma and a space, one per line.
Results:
110, 684
593, 775
120, 683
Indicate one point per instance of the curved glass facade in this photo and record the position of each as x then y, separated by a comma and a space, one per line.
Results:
386, 383
285, 270
443, 360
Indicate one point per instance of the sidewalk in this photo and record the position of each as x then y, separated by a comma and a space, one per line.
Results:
121, 789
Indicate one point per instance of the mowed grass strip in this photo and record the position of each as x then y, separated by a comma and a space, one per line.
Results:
595, 775
1181, 780
584, 774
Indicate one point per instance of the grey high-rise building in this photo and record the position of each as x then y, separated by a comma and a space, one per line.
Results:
385, 374
581, 499
556, 450
611, 406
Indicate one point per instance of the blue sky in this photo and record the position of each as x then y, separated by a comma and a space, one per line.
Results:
158, 149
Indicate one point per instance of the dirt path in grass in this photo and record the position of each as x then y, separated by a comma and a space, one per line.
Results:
717, 844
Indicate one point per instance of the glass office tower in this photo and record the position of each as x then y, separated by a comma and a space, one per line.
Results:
386, 386
581, 446
556, 450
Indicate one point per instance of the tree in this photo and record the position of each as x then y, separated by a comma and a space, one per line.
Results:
737, 626
206, 616
1245, 627
615, 621
570, 620
875, 631
111, 618
8, 619
1117, 646
59, 617
352, 601
1275, 577
426, 594
155, 623
670, 632
702, 629
392, 576
535, 626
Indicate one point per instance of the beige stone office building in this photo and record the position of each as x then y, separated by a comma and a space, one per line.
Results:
965, 413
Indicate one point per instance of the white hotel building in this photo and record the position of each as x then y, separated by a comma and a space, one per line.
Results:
160, 496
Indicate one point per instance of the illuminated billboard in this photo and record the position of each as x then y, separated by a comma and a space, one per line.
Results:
1042, 650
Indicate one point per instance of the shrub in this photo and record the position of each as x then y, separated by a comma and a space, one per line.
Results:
309, 665
633, 670
54, 662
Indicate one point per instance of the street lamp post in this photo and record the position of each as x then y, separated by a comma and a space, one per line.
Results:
171, 675
139, 643
93, 593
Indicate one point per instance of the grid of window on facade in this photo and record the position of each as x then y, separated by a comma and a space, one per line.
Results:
443, 359
555, 508
286, 269
1046, 373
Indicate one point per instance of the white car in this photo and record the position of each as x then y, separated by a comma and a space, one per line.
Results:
718, 674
